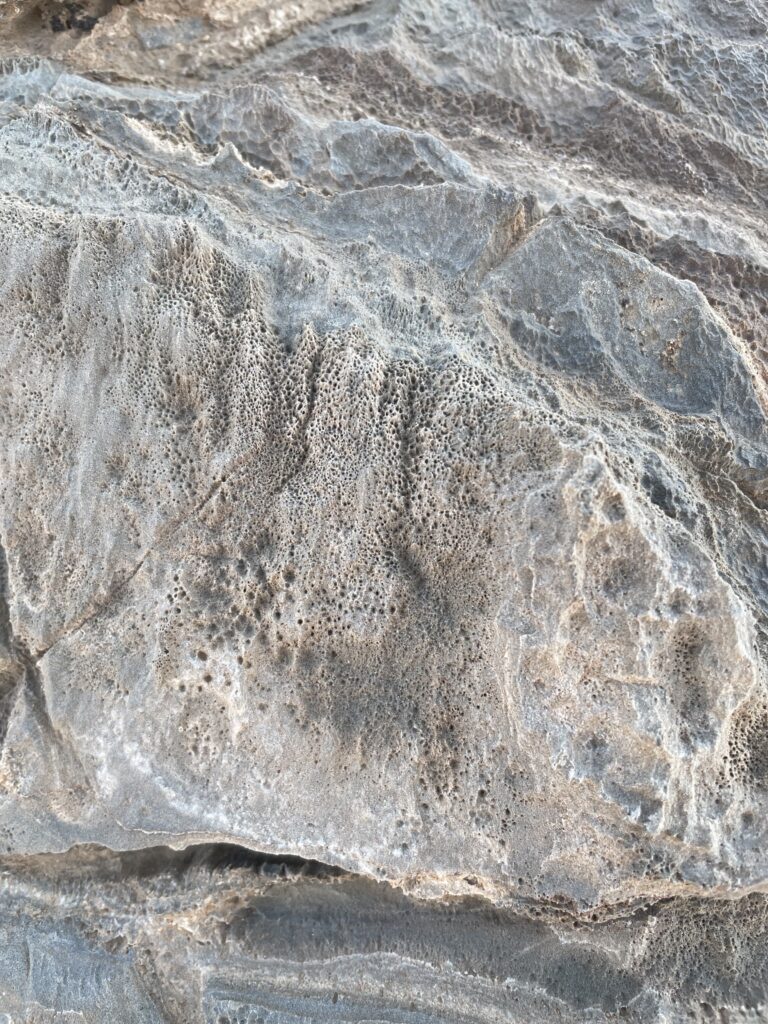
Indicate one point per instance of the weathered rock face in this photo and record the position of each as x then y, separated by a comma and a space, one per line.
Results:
384, 483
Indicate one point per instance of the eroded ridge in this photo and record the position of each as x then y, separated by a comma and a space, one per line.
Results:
219, 933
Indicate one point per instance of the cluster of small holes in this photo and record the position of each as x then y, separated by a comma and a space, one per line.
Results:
689, 675
747, 761
710, 950
74, 167
388, 647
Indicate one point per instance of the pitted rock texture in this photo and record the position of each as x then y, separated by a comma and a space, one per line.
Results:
383, 484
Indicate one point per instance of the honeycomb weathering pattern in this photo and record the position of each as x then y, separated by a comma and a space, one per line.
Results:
383, 489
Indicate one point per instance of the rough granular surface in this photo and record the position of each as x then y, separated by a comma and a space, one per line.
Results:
383, 511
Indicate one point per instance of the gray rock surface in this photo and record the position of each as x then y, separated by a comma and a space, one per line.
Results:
383, 486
